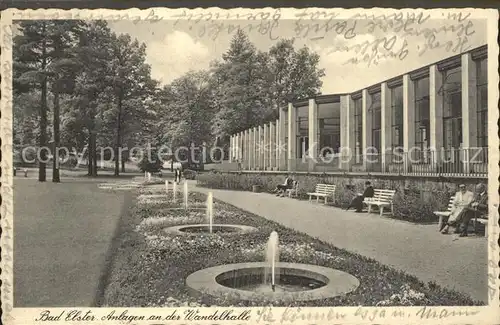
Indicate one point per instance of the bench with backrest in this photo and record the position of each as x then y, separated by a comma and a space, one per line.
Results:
324, 191
381, 199
294, 190
443, 215
482, 220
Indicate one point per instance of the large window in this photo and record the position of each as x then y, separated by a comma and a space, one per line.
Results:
422, 113
329, 128
376, 121
482, 102
397, 116
302, 130
452, 107
358, 123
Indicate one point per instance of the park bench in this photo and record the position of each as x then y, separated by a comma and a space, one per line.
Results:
483, 221
293, 190
323, 190
381, 199
443, 215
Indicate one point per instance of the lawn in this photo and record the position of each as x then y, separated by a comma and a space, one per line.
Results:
150, 266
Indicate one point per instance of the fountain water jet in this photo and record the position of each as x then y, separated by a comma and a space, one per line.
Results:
166, 186
210, 210
272, 258
287, 282
186, 194
174, 193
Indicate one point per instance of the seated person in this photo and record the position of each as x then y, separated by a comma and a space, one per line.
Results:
477, 208
287, 184
357, 202
462, 199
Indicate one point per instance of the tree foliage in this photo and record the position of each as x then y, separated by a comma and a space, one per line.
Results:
79, 85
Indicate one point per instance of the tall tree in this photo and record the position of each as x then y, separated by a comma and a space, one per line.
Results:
296, 74
37, 61
93, 88
62, 70
241, 76
130, 77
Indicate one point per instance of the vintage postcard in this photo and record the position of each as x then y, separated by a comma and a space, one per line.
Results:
249, 166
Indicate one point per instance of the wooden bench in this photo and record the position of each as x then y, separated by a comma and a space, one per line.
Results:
293, 190
483, 221
444, 214
382, 199
323, 190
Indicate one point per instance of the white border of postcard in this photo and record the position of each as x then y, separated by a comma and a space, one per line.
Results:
321, 315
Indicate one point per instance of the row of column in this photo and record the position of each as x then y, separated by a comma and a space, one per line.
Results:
260, 148
264, 147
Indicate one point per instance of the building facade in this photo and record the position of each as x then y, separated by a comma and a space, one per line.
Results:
433, 120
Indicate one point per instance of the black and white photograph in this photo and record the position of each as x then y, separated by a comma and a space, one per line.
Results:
243, 166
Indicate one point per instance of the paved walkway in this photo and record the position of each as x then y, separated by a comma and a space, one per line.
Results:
419, 250
63, 233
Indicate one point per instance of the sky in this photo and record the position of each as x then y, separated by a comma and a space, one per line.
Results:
174, 48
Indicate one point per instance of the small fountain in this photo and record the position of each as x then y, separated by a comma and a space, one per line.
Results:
186, 195
272, 279
174, 193
209, 227
272, 258
210, 211
166, 186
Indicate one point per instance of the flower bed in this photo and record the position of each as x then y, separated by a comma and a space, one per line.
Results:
150, 266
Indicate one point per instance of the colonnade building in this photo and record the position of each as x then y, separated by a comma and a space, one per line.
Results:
433, 120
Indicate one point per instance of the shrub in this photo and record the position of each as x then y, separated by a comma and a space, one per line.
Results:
414, 203
189, 174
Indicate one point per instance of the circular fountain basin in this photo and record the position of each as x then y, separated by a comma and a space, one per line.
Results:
297, 282
205, 228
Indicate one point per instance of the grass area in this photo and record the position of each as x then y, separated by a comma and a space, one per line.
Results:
151, 266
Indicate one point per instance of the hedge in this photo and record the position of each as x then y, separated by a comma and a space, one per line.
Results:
413, 202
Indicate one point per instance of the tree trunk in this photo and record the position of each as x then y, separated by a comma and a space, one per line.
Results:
118, 135
89, 156
43, 118
94, 154
55, 155
123, 166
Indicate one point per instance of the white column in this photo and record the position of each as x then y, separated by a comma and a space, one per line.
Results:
255, 148
469, 109
238, 148
436, 111
265, 162
367, 125
241, 146
231, 148
245, 150
385, 122
313, 134
276, 145
260, 150
408, 118
347, 138
469, 102
282, 132
251, 153
272, 146
292, 137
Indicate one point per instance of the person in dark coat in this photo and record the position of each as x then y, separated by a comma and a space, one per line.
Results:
477, 208
287, 184
357, 202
